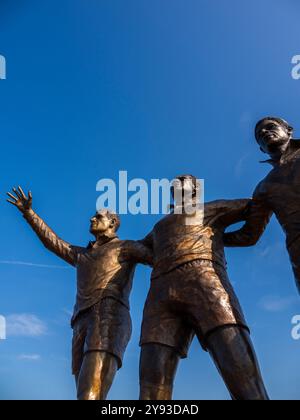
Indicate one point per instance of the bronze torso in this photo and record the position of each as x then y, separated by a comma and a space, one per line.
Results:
280, 192
175, 242
104, 271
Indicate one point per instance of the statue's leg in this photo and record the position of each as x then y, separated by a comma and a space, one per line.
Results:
96, 376
233, 353
158, 366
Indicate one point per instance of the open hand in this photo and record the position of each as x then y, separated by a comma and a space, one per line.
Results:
20, 200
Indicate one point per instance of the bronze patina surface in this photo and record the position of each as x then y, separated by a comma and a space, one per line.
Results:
191, 294
101, 319
278, 193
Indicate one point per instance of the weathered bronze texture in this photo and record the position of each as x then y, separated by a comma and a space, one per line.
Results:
278, 193
190, 295
101, 319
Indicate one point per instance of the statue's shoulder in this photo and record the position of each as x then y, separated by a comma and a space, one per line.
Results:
296, 144
263, 186
129, 243
216, 204
120, 243
295, 147
168, 218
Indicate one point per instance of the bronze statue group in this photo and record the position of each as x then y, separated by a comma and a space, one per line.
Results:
190, 293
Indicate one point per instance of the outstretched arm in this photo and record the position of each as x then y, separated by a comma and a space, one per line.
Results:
140, 252
258, 216
232, 211
49, 238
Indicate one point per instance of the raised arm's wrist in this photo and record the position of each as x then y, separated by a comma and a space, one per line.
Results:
28, 213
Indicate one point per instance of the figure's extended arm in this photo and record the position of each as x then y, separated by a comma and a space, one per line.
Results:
49, 238
141, 251
148, 241
233, 211
257, 218
142, 254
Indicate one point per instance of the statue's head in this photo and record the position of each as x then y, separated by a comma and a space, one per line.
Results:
104, 223
273, 135
185, 186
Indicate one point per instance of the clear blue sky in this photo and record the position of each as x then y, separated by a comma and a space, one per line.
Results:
156, 88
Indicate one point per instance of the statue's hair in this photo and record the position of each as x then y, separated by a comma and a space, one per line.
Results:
194, 179
280, 121
115, 218
182, 177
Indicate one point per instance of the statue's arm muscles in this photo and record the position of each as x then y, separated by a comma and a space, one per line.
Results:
49, 238
148, 241
141, 252
257, 217
233, 211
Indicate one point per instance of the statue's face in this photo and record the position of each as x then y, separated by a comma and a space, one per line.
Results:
100, 223
273, 137
183, 188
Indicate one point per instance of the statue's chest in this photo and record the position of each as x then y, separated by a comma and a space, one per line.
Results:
286, 175
283, 185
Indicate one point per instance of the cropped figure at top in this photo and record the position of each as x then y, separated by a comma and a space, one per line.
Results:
278, 193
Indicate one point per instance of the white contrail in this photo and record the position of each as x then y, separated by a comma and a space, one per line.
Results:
29, 357
33, 264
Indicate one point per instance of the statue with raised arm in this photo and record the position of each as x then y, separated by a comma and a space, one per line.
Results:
101, 320
278, 193
191, 294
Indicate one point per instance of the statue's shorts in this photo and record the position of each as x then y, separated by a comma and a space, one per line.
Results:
104, 327
194, 299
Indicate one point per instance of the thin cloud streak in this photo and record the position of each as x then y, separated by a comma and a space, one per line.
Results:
239, 167
29, 264
277, 304
25, 325
29, 357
